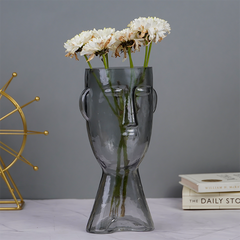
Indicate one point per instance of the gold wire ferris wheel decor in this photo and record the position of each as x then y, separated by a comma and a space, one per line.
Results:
16, 155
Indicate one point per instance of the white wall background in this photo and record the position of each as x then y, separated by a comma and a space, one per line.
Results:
196, 76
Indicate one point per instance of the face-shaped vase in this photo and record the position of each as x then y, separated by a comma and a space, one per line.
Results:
118, 104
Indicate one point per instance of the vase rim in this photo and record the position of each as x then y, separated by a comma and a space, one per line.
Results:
117, 68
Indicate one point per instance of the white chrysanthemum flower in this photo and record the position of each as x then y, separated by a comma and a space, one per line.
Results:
76, 43
124, 39
97, 46
151, 28
103, 32
71, 45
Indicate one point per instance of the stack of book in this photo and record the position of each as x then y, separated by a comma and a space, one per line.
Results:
211, 191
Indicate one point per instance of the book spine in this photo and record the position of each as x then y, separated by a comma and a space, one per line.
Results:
221, 200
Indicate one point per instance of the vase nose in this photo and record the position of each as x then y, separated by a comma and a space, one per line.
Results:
129, 114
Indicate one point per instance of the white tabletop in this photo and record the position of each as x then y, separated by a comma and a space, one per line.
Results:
66, 220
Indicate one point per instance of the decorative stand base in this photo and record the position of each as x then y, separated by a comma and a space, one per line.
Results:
19, 205
12, 187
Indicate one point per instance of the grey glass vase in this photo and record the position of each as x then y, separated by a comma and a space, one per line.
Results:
118, 105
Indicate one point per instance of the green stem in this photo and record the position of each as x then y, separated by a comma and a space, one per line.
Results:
115, 202
105, 61
126, 172
100, 85
89, 64
114, 97
122, 148
124, 192
125, 156
149, 51
145, 58
130, 57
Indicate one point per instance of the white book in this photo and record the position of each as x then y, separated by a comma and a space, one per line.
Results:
212, 182
216, 200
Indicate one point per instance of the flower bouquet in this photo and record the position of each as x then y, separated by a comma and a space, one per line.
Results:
118, 104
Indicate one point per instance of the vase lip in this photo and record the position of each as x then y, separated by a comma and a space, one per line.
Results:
117, 68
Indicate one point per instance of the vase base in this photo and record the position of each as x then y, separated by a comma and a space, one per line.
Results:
121, 224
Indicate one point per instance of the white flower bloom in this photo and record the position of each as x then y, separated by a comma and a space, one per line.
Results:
85, 36
151, 28
103, 32
97, 46
76, 43
141, 31
71, 45
124, 39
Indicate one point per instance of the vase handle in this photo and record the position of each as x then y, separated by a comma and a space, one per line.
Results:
82, 103
154, 100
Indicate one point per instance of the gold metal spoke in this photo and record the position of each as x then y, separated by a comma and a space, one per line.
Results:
20, 132
9, 150
15, 110
7, 84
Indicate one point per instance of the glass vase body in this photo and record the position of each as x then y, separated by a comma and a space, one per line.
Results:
118, 105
